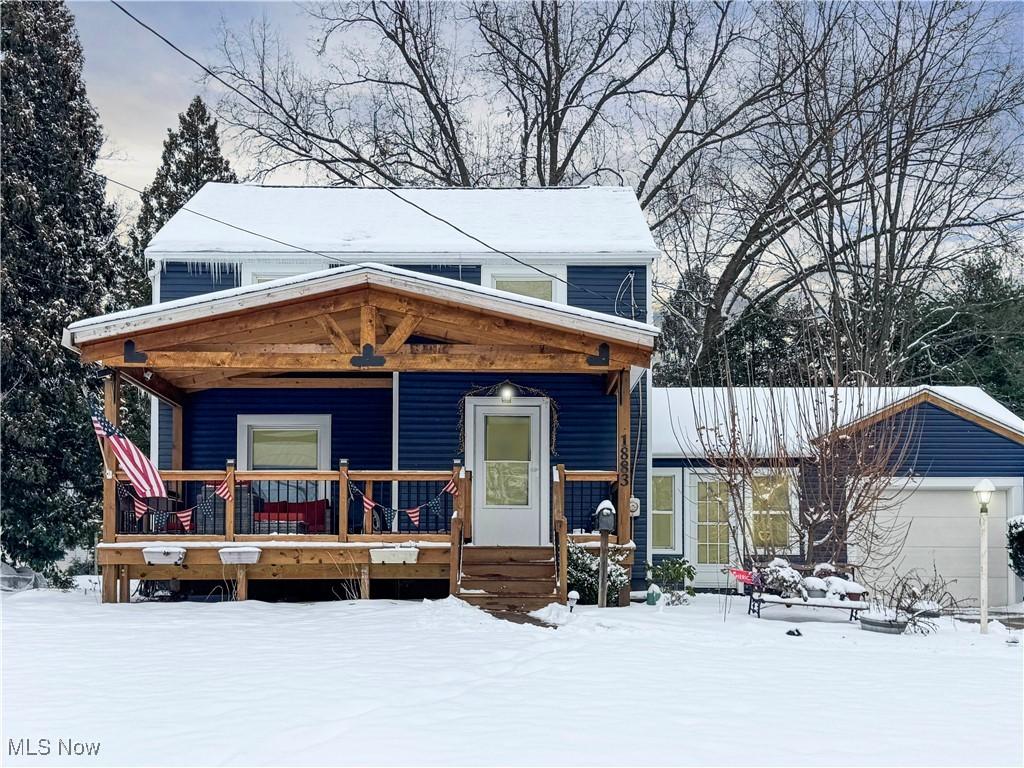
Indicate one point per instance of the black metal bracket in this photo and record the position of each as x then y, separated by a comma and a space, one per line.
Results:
132, 355
601, 358
368, 359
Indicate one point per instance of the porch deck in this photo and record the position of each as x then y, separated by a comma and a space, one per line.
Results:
306, 528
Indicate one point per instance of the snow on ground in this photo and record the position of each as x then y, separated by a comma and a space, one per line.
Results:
436, 683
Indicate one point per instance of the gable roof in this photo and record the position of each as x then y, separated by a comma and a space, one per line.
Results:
687, 420
311, 285
366, 222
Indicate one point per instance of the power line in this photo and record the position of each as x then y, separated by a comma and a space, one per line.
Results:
366, 177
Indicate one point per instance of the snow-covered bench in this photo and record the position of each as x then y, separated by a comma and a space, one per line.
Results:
759, 599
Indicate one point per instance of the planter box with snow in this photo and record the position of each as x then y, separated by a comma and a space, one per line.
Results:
164, 555
239, 555
394, 555
883, 625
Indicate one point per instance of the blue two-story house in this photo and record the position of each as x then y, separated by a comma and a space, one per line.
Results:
369, 385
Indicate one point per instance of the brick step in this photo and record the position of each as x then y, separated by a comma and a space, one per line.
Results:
472, 554
518, 603
511, 586
505, 570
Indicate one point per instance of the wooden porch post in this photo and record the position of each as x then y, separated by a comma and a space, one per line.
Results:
111, 409
561, 533
177, 437
242, 583
368, 513
229, 503
124, 586
624, 452
343, 500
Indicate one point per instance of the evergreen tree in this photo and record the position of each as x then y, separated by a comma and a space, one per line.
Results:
62, 261
973, 333
191, 157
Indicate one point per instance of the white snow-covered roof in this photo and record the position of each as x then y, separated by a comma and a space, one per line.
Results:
369, 222
694, 421
208, 305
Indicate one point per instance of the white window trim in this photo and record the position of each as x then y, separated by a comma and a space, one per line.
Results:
252, 270
490, 274
319, 421
793, 473
677, 529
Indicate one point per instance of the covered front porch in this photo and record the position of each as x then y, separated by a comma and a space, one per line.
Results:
326, 418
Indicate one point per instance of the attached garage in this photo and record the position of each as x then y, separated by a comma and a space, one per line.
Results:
940, 518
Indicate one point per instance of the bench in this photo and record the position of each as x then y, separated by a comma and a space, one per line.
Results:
759, 599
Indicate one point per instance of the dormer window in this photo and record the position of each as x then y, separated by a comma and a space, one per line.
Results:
546, 282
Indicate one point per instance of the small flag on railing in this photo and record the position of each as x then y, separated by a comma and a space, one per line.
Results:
452, 486
368, 503
223, 489
185, 518
414, 516
140, 470
141, 508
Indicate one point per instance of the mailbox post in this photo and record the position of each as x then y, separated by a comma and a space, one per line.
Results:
605, 525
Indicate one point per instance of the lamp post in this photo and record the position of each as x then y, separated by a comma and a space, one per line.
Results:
983, 491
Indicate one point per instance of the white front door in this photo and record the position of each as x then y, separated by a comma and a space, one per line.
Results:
507, 448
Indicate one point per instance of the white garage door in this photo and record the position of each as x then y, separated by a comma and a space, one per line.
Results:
943, 534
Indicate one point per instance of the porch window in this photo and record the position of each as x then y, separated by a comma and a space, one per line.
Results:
771, 510
712, 522
276, 442
271, 448
664, 512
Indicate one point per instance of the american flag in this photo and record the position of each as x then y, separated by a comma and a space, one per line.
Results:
452, 487
223, 489
136, 464
141, 507
368, 503
185, 518
414, 516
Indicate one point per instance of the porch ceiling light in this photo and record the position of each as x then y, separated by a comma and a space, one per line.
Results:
983, 491
507, 392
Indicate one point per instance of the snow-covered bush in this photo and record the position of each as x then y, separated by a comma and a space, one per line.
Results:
779, 578
1015, 544
672, 575
815, 584
584, 574
824, 570
915, 597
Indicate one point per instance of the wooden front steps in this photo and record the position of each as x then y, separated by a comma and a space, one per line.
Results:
508, 578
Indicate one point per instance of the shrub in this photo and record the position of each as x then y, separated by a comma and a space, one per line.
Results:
1015, 544
672, 575
584, 574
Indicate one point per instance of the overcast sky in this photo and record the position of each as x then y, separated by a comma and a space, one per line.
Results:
139, 85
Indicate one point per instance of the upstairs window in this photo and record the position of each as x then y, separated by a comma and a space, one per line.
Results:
534, 283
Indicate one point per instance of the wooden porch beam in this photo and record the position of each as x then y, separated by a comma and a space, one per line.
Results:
337, 336
367, 326
401, 333
154, 384
295, 382
404, 361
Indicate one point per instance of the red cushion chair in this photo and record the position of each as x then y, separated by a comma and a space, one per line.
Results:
313, 513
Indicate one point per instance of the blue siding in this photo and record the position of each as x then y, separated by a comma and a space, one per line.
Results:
468, 273
609, 289
179, 280
948, 445
360, 422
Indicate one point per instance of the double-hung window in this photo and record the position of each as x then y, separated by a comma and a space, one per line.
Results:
771, 511
666, 512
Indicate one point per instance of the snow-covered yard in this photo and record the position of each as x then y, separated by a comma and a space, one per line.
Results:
383, 683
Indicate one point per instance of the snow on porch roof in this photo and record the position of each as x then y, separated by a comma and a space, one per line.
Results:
688, 421
355, 220
205, 306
